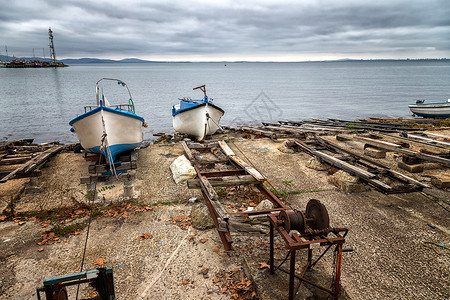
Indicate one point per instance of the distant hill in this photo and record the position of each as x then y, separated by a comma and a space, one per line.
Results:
102, 61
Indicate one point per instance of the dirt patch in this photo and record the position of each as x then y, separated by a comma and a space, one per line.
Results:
156, 254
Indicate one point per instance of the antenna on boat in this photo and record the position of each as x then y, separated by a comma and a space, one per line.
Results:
202, 88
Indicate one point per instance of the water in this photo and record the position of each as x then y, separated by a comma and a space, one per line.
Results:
39, 103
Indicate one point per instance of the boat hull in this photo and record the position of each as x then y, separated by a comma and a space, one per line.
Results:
123, 130
194, 121
431, 110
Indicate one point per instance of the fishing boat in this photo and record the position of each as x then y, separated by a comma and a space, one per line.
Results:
196, 118
109, 129
431, 110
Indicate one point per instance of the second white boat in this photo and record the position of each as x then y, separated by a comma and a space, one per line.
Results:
197, 118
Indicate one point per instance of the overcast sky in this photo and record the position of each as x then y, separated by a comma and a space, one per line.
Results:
269, 30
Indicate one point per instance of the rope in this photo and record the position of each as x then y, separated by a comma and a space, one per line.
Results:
91, 203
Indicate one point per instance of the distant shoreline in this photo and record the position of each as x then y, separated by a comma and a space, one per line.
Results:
137, 60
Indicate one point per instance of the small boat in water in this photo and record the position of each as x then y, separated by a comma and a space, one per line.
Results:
431, 110
196, 118
109, 129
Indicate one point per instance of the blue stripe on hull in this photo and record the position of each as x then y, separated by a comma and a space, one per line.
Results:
115, 149
432, 115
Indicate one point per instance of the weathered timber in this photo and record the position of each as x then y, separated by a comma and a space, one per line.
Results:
443, 137
206, 161
225, 148
252, 171
376, 143
224, 181
384, 168
33, 163
15, 160
257, 131
434, 141
426, 146
361, 173
102, 178
286, 129
423, 156
188, 151
95, 168
208, 188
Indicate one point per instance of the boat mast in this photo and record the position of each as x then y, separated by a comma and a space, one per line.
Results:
202, 88
51, 45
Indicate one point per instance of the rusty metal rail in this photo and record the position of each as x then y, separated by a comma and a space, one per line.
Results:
236, 168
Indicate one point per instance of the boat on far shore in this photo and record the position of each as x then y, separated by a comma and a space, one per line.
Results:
431, 110
196, 118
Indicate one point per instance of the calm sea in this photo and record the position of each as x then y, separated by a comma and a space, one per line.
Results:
39, 103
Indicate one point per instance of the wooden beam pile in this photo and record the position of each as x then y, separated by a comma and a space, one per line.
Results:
24, 159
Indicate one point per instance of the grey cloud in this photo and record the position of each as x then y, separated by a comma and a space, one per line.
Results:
160, 29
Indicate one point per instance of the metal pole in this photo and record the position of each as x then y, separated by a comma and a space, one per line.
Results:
272, 269
337, 280
292, 275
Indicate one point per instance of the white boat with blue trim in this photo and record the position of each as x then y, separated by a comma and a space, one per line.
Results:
196, 118
431, 110
109, 129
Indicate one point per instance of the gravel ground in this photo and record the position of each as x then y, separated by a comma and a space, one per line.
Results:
387, 232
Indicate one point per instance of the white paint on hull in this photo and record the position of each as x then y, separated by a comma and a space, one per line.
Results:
194, 122
438, 109
120, 129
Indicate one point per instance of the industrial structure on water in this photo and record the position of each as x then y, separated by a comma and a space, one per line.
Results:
35, 63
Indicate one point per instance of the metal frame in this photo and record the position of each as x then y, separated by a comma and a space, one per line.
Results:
102, 279
304, 240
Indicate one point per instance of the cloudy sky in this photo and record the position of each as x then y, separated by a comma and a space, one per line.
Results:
208, 30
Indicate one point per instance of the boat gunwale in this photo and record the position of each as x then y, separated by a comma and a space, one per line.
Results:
108, 109
179, 111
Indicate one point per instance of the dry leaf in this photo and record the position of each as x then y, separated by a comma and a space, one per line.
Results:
2, 218
235, 270
99, 262
203, 241
145, 236
185, 282
41, 249
263, 265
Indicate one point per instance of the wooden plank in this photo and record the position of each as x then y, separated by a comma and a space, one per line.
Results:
256, 131
375, 143
370, 161
224, 181
187, 151
252, 171
93, 169
33, 163
344, 165
227, 150
15, 160
420, 144
208, 188
101, 178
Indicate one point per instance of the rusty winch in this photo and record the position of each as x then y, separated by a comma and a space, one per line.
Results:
314, 218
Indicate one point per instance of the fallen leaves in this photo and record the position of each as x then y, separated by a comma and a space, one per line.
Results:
263, 265
236, 284
40, 249
203, 241
2, 218
145, 236
184, 221
99, 262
